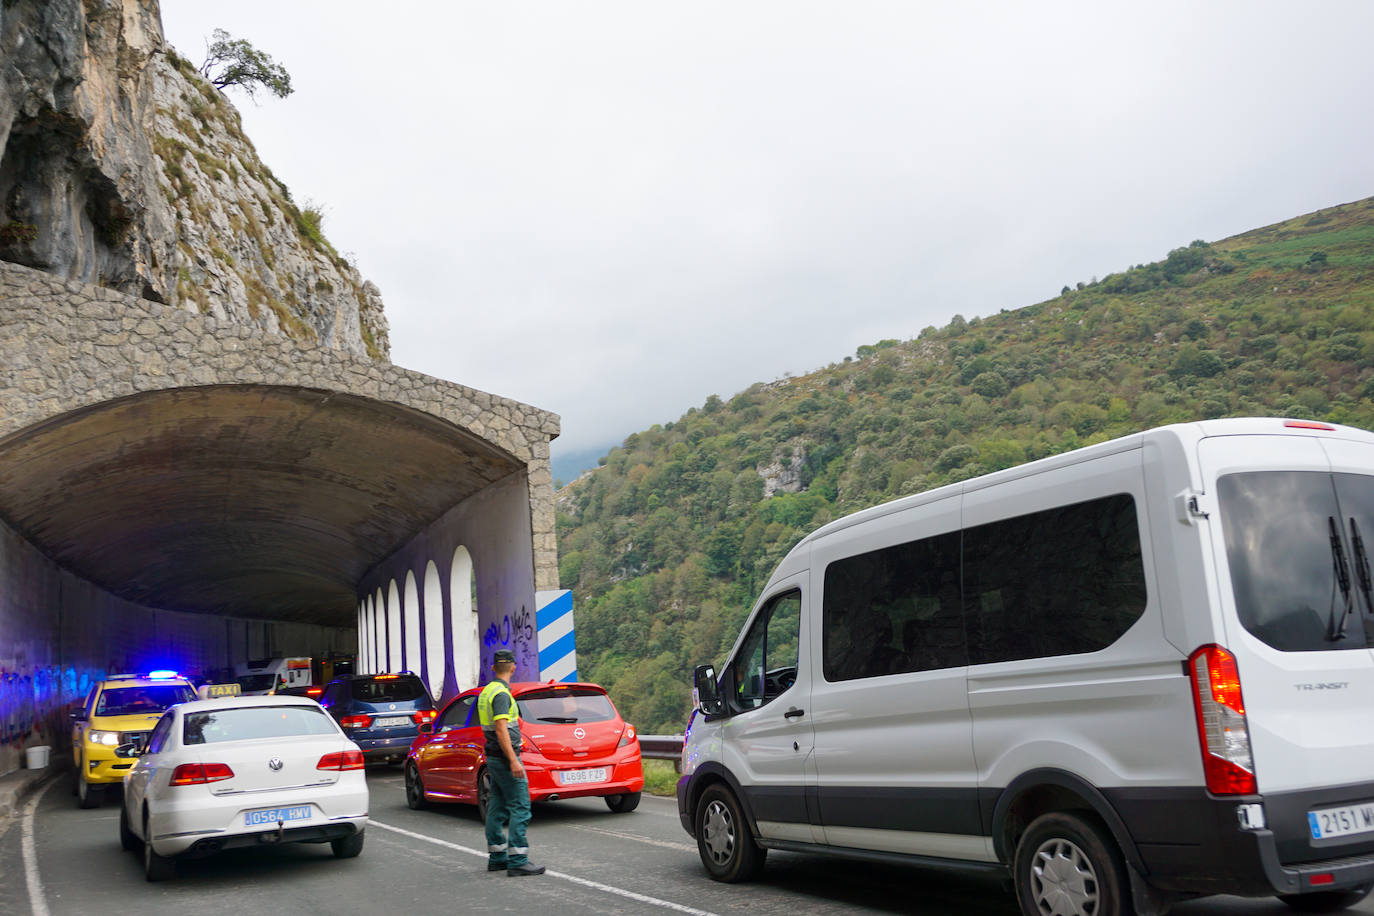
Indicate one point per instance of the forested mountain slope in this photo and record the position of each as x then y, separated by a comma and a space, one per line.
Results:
666, 544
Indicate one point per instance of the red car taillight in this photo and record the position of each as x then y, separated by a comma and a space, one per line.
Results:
197, 774
627, 737
1222, 728
341, 760
359, 721
420, 717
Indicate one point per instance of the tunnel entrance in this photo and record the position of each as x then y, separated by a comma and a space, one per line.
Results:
180, 490
242, 500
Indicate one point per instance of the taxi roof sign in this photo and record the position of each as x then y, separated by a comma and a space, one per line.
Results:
209, 691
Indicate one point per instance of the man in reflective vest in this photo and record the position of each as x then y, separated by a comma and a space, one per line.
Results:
509, 803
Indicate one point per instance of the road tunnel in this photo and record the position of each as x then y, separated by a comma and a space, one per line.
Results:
179, 492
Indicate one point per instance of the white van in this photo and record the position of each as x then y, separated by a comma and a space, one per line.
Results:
1126, 675
262, 676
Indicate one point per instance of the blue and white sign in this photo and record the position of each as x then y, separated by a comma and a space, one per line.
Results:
556, 639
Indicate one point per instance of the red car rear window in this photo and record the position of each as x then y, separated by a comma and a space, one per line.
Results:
566, 705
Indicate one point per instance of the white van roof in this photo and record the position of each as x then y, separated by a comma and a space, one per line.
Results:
1184, 433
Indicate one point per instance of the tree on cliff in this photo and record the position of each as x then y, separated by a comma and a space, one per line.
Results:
231, 61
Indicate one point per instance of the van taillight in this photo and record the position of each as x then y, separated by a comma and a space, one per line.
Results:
197, 774
1225, 736
341, 760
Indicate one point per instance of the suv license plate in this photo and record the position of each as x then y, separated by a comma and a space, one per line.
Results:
1344, 821
273, 815
391, 722
574, 777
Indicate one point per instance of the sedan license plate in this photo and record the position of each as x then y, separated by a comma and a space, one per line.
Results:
1343, 821
575, 777
391, 721
275, 815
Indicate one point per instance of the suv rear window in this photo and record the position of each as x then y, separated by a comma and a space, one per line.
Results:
564, 706
127, 701
250, 722
391, 690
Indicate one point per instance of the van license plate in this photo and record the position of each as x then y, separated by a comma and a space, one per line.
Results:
391, 722
273, 815
574, 777
1344, 821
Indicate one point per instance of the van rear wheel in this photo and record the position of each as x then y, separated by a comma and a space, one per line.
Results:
1326, 901
727, 849
1069, 865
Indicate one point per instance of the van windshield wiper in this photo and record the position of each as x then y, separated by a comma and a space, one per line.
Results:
1342, 578
1361, 566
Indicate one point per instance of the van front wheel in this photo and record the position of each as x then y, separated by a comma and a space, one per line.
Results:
727, 849
1068, 865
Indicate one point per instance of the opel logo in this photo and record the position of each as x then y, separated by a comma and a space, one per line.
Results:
579, 733
275, 763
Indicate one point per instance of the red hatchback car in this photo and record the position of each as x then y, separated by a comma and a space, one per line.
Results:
575, 745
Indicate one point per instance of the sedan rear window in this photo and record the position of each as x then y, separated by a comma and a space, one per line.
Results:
249, 723
391, 690
566, 705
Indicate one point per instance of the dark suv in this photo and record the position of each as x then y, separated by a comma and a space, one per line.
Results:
382, 713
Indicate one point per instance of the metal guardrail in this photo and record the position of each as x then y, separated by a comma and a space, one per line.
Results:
661, 747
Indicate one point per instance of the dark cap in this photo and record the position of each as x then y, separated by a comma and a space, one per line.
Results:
503, 655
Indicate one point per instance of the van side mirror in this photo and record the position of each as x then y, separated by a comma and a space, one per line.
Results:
707, 695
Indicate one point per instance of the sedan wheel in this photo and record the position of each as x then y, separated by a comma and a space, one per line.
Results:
126, 836
415, 789
623, 804
155, 867
483, 794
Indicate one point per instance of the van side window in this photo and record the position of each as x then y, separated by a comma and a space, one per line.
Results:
1059, 582
894, 610
766, 664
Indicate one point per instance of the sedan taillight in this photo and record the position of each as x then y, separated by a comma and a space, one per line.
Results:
359, 721
627, 737
341, 760
197, 774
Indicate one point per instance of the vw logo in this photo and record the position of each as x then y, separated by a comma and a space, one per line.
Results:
579, 733
275, 763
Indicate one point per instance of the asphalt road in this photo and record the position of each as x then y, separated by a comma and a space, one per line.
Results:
434, 862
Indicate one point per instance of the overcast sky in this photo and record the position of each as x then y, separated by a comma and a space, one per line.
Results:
614, 210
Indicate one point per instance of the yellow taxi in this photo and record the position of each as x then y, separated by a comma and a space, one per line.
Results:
121, 709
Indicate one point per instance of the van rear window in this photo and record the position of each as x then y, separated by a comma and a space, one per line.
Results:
1295, 545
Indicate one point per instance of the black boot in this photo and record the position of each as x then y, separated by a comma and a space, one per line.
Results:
520, 871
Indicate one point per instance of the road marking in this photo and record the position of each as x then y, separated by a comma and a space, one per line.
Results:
30, 856
595, 885
666, 844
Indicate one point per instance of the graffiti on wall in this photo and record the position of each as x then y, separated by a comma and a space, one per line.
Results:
520, 628
31, 700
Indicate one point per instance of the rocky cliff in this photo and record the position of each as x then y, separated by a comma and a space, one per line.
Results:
121, 166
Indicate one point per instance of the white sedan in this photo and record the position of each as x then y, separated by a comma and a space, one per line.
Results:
242, 771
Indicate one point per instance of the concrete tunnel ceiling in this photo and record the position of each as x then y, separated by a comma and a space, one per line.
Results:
245, 500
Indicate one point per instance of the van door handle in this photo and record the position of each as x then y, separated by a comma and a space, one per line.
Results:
793, 713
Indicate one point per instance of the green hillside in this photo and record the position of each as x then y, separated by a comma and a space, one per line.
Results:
666, 545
